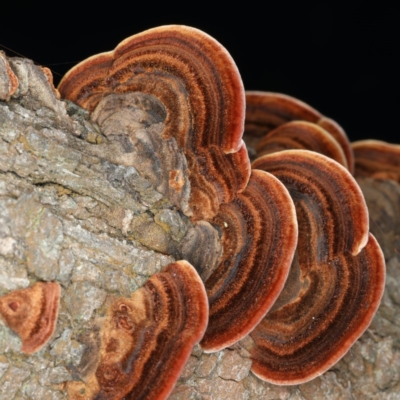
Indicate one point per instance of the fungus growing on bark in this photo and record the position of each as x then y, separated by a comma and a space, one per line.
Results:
301, 135
201, 90
336, 281
196, 79
146, 339
259, 236
8, 80
198, 89
377, 159
266, 111
32, 313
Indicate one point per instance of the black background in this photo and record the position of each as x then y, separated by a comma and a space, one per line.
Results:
342, 60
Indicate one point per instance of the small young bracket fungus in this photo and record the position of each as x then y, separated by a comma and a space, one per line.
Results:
8, 80
336, 281
377, 159
147, 338
266, 111
259, 237
301, 135
32, 313
201, 89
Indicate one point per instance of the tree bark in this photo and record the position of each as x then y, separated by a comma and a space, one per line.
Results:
90, 209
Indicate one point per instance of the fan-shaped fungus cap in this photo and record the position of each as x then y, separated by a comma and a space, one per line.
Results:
147, 338
301, 135
377, 159
337, 280
198, 83
266, 111
32, 313
259, 236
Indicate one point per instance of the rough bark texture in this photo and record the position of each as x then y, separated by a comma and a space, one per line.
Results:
73, 210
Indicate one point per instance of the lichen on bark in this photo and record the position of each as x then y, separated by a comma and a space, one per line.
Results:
80, 207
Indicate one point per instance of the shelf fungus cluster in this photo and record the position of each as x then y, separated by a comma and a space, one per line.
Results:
198, 84
338, 264
267, 111
332, 268
298, 270
194, 78
338, 267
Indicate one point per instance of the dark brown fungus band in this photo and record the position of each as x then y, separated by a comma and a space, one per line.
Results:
147, 338
259, 236
32, 313
301, 135
337, 277
197, 81
377, 159
266, 111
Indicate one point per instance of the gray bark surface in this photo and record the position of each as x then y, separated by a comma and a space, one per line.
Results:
75, 209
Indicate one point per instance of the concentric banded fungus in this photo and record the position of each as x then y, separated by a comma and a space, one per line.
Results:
32, 313
337, 280
259, 236
201, 89
377, 159
301, 135
266, 111
147, 338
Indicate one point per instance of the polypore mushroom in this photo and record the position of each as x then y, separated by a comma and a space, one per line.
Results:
146, 339
336, 281
200, 87
301, 135
201, 97
266, 111
32, 313
259, 236
377, 159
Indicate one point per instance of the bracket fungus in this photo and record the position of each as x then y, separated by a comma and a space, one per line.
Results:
196, 78
377, 159
301, 135
8, 80
298, 269
32, 313
259, 236
266, 111
200, 87
337, 279
146, 339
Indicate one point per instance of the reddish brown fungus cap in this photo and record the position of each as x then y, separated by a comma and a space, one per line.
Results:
8, 80
266, 111
147, 338
336, 280
197, 81
259, 236
301, 135
377, 159
32, 313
